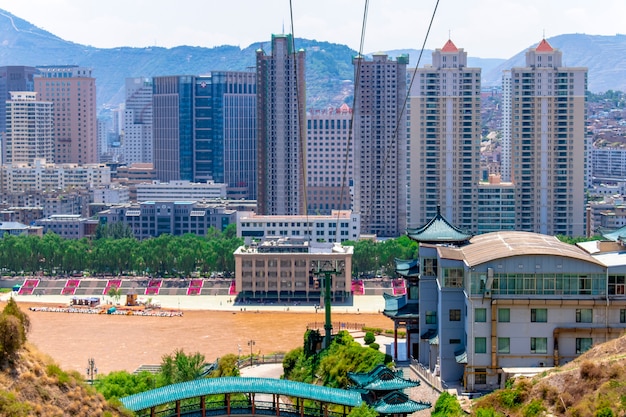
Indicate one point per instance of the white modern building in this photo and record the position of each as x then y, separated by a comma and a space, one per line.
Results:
338, 226
110, 194
29, 129
180, 191
136, 138
43, 176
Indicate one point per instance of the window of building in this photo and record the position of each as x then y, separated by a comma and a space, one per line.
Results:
583, 344
480, 377
504, 345
480, 345
538, 345
453, 277
455, 341
480, 315
622, 315
504, 315
430, 266
539, 315
584, 315
455, 314
431, 317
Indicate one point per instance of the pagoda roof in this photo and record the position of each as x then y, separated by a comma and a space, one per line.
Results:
449, 47
438, 230
381, 378
544, 46
407, 267
398, 403
618, 235
396, 307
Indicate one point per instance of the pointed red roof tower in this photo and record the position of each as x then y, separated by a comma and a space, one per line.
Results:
544, 46
449, 47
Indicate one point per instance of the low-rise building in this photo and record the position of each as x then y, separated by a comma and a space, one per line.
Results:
17, 229
68, 226
154, 218
280, 270
339, 226
180, 191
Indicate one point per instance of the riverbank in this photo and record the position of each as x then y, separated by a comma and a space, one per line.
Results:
355, 305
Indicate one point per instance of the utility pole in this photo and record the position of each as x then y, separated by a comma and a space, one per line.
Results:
325, 270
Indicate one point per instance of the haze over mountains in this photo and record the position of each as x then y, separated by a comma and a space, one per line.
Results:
329, 66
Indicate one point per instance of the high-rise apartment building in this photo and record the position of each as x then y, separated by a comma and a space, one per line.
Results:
72, 89
329, 160
13, 78
136, 141
29, 129
445, 137
281, 116
204, 129
380, 144
548, 143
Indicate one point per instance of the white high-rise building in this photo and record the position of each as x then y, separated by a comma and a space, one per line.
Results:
136, 142
505, 162
380, 145
548, 143
30, 129
445, 140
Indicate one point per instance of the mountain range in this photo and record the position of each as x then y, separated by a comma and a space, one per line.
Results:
328, 65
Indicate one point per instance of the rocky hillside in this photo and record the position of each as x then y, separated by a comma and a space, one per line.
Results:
36, 386
592, 385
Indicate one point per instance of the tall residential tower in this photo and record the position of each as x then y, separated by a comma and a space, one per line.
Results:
445, 140
281, 116
72, 89
548, 143
380, 145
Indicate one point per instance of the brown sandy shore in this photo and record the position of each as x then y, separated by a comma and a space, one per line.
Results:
119, 342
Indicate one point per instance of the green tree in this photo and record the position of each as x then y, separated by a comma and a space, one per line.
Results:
180, 367
12, 337
122, 383
447, 406
226, 366
14, 310
115, 293
363, 410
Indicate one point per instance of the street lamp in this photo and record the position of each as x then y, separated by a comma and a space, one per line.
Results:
251, 343
92, 371
326, 269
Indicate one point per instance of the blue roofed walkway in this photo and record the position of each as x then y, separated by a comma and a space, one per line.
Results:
190, 398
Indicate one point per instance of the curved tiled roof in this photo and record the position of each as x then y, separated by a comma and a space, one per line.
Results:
211, 386
381, 378
407, 267
504, 244
398, 403
438, 230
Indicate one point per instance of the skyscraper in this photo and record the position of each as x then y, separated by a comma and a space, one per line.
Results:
380, 145
205, 129
29, 129
281, 116
72, 89
137, 121
173, 127
548, 143
445, 140
13, 78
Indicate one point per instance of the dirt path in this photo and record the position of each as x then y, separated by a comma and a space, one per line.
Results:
126, 342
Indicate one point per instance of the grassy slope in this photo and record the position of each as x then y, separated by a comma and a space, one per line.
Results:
36, 386
595, 381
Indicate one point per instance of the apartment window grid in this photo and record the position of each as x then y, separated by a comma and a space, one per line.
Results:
480, 345
504, 315
504, 345
550, 284
480, 315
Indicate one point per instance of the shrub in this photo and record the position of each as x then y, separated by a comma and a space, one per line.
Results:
447, 406
486, 412
533, 409
590, 371
375, 346
604, 412
369, 338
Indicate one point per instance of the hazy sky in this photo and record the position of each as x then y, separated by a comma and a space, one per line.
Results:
484, 28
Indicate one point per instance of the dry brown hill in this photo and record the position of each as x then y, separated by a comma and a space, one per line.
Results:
35, 386
594, 384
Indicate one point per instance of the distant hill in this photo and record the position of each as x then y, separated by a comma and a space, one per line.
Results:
329, 66
604, 56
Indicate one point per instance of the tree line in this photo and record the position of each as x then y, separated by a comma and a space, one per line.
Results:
111, 254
